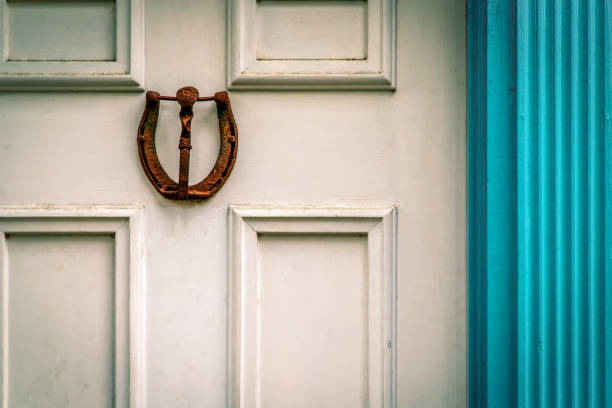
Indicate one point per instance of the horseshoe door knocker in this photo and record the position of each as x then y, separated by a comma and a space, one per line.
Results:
167, 187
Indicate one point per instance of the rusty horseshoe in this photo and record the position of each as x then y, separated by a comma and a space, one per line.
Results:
167, 187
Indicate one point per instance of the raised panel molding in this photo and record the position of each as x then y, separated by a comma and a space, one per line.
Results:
119, 226
71, 45
293, 269
274, 44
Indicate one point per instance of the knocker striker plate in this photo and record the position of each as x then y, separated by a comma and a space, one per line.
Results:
180, 190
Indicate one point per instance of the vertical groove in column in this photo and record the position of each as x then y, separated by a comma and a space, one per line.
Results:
596, 373
562, 206
578, 205
527, 203
546, 203
607, 135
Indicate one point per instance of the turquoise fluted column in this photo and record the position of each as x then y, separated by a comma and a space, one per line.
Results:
540, 203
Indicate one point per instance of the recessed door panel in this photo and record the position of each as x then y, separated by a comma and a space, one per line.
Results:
313, 321
60, 329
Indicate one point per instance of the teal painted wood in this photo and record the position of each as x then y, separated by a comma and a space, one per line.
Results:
562, 205
492, 252
477, 191
527, 204
540, 203
595, 199
578, 191
607, 131
546, 196
500, 195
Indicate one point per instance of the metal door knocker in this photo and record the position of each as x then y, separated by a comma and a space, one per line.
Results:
167, 187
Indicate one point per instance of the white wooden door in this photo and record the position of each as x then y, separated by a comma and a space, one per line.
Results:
329, 270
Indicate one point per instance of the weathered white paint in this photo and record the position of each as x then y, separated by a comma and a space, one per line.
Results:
315, 148
72, 307
313, 294
71, 45
279, 45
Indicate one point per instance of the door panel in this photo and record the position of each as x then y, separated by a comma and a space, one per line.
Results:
313, 294
313, 319
308, 148
60, 298
72, 305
